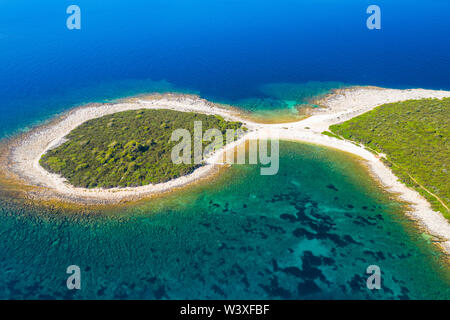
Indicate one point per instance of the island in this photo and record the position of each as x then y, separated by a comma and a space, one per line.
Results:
128, 149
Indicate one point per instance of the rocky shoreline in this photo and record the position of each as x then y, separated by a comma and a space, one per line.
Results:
23, 153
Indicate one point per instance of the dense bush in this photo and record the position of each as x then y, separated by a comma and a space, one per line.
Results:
415, 136
130, 148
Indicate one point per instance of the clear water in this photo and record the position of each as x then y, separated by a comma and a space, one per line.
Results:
309, 232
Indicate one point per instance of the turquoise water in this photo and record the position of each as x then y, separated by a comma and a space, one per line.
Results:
284, 101
308, 232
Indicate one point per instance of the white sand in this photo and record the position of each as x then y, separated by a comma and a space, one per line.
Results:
341, 106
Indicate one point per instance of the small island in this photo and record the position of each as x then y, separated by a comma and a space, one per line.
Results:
127, 149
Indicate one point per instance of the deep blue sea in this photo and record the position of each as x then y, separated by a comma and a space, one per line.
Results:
310, 237
224, 50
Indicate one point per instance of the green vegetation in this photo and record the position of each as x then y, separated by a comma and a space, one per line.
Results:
127, 149
330, 134
414, 135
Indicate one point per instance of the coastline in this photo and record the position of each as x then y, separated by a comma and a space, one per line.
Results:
343, 104
24, 152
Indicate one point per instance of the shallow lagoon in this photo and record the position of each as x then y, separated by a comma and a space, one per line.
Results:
308, 232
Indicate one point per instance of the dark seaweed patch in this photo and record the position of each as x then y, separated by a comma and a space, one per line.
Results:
332, 187
218, 290
275, 290
288, 217
307, 287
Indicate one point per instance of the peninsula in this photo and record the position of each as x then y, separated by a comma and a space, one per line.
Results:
25, 153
